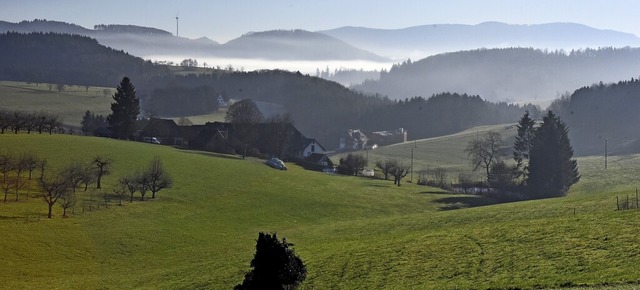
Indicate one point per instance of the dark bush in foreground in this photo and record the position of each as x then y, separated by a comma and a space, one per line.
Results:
275, 266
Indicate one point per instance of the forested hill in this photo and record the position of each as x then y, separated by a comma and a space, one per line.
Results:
292, 45
603, 111
69, 59
320, 109
511, 74
155, 43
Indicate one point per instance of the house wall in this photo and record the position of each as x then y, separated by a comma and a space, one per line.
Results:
313, 147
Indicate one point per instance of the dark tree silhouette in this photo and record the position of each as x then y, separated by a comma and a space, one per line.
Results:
244, 112
124, 111
522, 144
551, 169
484, 152
399, 172
275, 266
352, 164
387, 167
53, 190
102, 165
158, 177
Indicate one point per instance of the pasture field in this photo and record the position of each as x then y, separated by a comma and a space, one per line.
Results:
353, 233
444, 151
70, 103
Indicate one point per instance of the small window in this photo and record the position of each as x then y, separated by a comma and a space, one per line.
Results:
313, 148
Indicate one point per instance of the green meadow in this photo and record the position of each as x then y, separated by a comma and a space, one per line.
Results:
352, 232
72, 102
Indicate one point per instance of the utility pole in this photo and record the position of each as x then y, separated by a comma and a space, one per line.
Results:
411, 165
176, 25
606, 140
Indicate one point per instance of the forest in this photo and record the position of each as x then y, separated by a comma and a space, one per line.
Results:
519, 75
602, 113
320, 109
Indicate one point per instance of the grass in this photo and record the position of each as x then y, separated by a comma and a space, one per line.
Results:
353, 233
70, 104
217, 116
445, 151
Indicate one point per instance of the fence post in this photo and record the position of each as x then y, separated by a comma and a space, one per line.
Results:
627, 207
617, 202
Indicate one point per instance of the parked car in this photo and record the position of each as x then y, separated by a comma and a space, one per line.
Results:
276, 163
153, 140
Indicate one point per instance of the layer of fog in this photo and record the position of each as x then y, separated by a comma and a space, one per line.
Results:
309, 67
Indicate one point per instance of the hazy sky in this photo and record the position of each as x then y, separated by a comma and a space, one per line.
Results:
224, 20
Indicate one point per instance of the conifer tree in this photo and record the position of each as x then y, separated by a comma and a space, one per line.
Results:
522, 144
551, 169
124, 111
275, 266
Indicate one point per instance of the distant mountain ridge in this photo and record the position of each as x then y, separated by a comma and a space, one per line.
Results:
147, 41
518, 75
420, 41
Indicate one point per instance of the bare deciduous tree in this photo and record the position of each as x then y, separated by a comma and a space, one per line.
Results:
6, 165
157, 177
142, 181
53, 190
130, 183
387, 167
485, 151
399, 172
67, 200
120, 191
103, 167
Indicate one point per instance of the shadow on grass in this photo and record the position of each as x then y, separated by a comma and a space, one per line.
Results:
464, 201
468, 201
3, 217
212, 154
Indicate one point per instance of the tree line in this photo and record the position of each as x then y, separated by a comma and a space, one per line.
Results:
603, 113
22, 121
60, 186
506, 74
543, 157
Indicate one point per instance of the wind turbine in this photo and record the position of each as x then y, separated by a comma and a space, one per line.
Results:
177, 25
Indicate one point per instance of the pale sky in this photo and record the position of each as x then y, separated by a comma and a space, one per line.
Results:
223, 20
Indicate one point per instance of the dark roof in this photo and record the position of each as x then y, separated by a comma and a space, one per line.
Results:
316, 157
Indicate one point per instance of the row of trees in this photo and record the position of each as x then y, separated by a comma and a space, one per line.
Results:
543, 159
91, 123
394, 168
153, 178
18, 121
61, 186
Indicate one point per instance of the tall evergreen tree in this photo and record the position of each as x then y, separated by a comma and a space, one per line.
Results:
124, 110
551, 169
522, 145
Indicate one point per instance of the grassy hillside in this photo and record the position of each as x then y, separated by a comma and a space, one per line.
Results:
70, 104
444, 151
353, 233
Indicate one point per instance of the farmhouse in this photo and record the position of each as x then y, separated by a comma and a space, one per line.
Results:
310, 147
166, 130
382, 138
353, 139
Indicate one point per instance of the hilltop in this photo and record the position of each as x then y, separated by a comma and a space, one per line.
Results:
421, 41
